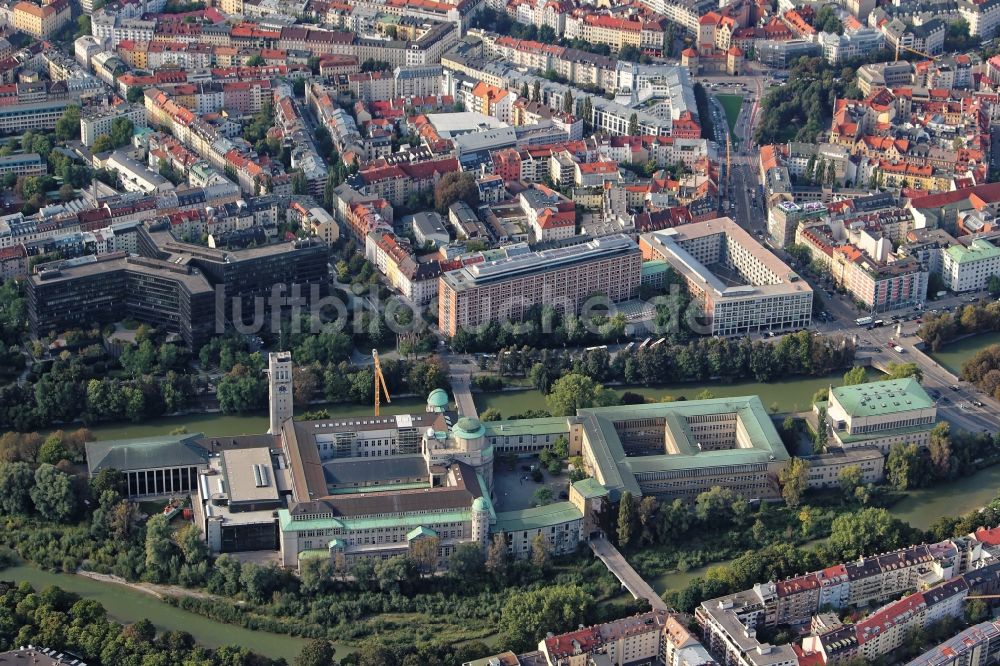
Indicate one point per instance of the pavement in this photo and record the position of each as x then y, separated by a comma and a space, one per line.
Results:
623, 571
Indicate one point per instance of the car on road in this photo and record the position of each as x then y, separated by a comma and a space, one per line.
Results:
954, 387
898, 349
977, 403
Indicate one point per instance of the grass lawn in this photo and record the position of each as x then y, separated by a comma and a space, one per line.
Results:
732, 104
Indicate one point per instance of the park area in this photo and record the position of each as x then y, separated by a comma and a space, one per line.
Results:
732, 104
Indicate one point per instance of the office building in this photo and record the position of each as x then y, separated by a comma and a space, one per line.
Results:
741, 286
504, 289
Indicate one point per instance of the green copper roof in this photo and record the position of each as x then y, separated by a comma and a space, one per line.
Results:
468, 427
549, 425
978, 250
590, 488
538, 517
286, 524
438, 398
314, 554
886, 397
617, 471
420, 532
480, 505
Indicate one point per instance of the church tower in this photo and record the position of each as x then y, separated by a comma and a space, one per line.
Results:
279, 389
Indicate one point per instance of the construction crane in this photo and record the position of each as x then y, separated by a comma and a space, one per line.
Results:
900, 47
379, 383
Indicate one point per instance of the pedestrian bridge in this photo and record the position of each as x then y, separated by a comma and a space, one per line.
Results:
626, 575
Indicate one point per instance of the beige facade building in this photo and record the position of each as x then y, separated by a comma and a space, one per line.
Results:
742, 287
41, 22
880, 414
504, 289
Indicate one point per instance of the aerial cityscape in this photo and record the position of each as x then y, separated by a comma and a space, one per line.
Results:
499, 332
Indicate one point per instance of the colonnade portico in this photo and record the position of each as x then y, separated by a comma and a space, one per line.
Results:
161, 481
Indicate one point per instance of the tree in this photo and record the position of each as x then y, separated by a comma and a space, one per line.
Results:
871, 530
902, 466
855, 375
626, 519
794, 479
540, 549
542, 496
256, 60
497, 557
68, 125
53, 494
455, 186
52, 451
904, 370
575, 391
714, 505
102, 144
490, 414
939, 448
528, 615
317, 652
536, 92
568, 105
16, 481
466, 563
299, 183
633, 125
159, 548
993, 285
849, 479
424, 553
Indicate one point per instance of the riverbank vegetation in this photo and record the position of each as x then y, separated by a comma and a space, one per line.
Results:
62, 621
939, 329
983, 370
798, 354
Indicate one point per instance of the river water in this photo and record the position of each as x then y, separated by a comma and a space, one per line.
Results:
953, 355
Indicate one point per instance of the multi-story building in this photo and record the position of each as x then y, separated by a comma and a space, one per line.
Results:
25, 164
95, 121
740, 285
969, 268
44, 21
80, 292
646, 638
504, 289
880, 414
979, 645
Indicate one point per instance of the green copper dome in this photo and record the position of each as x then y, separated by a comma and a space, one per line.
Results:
468, 427
438, 398
479, 505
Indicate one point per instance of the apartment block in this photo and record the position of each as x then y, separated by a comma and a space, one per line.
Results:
741, 286
969, 268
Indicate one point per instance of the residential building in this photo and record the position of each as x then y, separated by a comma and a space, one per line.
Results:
95, 121
43, 21
24, 164
969, 268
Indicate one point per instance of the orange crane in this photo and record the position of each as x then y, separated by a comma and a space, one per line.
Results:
379, 383
900, 47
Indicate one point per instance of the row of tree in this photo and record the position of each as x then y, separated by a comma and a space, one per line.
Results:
938, 330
